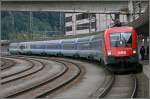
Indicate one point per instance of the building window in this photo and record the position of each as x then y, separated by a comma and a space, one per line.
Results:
83, 26
86, 26
85, 16
69, 28
93, 25
68, 19
93, 15
82, 16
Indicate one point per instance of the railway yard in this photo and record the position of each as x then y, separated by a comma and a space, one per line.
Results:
55, 77
60, 49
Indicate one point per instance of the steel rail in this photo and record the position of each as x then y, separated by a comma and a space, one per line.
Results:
63, 84
7, 63
134, 87
24, 74
16, 73
34, 84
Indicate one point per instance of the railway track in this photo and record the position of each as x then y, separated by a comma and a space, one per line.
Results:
2, 62
6, 63
40, 69
37, 67
42, 87
125, 86
20, 67
117, 86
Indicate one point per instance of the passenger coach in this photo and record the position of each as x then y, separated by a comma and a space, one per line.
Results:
117, 45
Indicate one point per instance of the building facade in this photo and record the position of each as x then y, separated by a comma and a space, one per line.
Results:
84, 23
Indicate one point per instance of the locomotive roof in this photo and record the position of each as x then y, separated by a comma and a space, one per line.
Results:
120, 29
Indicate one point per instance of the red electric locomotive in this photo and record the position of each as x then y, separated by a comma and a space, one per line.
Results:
121, 48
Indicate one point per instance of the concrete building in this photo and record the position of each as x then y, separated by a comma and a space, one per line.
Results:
83, 23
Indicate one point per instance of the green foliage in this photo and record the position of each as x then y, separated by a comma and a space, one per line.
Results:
27, 26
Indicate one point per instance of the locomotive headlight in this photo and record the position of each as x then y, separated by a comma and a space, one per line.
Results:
109, 53
134, 51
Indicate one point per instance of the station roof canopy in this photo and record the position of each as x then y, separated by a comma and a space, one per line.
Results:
142, 23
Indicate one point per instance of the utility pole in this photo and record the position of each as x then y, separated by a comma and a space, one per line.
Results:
134, 9
60, 22
95, 20
13, 23
89, 15
130, 7
140, 7
31, 19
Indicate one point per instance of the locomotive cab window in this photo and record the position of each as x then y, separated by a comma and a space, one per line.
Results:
121, 39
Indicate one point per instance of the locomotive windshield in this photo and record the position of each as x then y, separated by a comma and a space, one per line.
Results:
120, 39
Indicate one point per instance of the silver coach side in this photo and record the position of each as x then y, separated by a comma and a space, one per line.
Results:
69, 47
14, 48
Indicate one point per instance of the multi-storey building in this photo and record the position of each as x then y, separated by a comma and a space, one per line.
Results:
83, 23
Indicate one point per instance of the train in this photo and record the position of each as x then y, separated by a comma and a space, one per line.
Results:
116, 47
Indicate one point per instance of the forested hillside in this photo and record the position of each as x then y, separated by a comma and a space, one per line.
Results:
31, 25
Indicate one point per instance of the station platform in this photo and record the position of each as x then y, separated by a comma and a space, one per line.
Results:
146, 70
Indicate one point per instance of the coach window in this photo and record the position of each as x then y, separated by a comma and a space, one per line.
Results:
83, 45
69, 46
42, 46
14, 47
33, 46
95, 45
37, 46
53, 46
